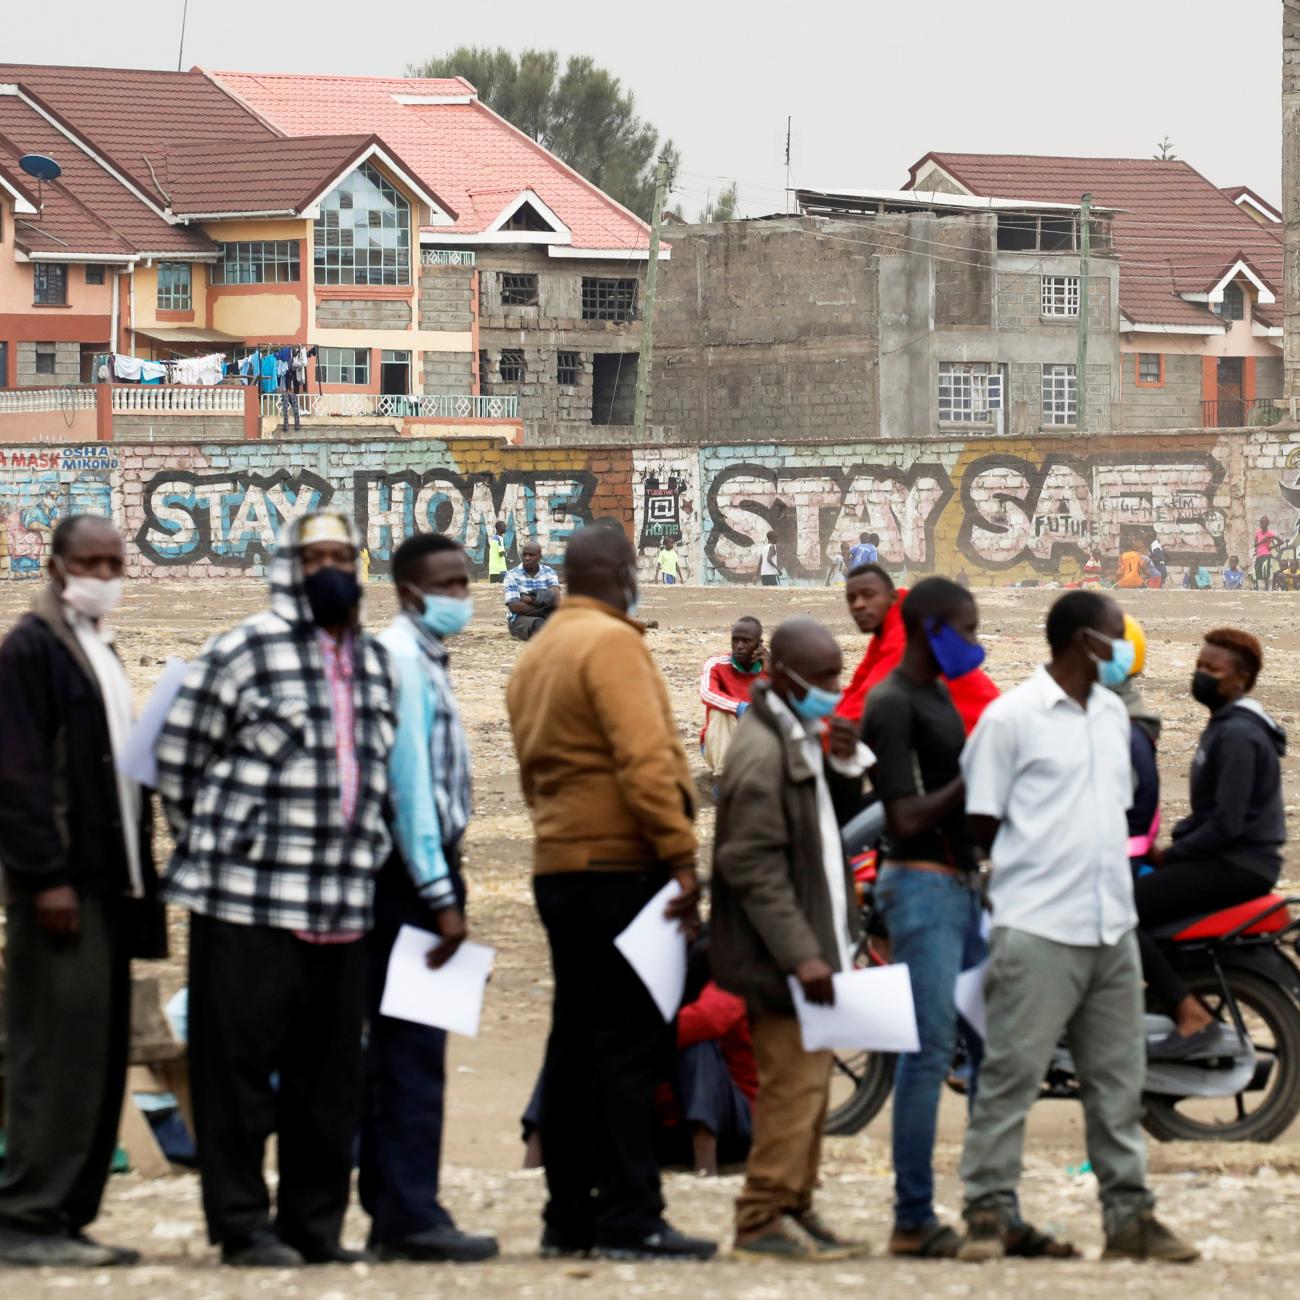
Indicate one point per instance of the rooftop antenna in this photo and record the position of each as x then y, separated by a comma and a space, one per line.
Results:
44, 169
788, 120
180, 54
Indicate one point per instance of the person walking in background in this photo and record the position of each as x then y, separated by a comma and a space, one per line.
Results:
421, 886
273, 768
612, 797
781, 908
1234, 576
80, 901
837, 571
532, 591
670, 567
1266, 547
725, 685
769, 564
1048, 783
927, 891
497, 562
865, 551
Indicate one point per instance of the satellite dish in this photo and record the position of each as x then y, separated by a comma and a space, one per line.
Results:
38, 165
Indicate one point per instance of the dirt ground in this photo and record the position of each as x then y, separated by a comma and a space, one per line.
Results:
1240, 1203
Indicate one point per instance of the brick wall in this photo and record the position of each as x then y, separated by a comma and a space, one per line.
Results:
366, 314
1020, 304
67, 364
998, 509
1176, 403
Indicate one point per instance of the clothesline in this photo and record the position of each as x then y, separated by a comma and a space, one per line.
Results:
195, 372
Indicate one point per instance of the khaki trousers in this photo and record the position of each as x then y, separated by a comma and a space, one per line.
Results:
793, 1087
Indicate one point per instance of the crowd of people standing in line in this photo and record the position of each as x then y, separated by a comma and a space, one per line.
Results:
317, 782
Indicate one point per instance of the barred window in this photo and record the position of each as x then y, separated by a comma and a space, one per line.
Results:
1060, 295
49, 284
94, 274
258, 261
519, 291
363, 233
1060, 395
343, 365
567, 366
1233, 306
969, 391
604, 299
1151, 369
174, 286
512, 365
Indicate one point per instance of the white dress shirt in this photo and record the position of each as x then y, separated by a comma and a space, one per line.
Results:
119, 708
1059, 778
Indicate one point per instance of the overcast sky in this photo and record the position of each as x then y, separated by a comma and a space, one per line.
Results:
872, 85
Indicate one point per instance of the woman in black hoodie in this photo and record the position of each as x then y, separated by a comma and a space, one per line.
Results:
1228, 849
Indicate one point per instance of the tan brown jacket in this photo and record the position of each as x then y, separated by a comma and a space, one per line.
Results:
600, 760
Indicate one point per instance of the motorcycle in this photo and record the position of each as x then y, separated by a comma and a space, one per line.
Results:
1241, 962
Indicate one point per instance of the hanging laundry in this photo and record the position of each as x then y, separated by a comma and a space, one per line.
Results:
270, 377
127, 368
200, 371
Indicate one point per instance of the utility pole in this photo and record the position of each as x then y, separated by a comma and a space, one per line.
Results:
180, 53
648, 310
1081, 360
788, 120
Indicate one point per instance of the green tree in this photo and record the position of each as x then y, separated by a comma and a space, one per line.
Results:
1166, 148
581, 114
725, 207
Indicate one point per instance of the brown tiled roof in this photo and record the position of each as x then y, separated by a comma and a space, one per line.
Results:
1235, 192
1177, 233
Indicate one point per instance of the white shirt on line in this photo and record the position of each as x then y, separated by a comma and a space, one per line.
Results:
119, 709
1059, 778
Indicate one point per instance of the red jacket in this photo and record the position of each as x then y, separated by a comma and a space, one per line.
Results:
723, 687
717, 1014
972, 693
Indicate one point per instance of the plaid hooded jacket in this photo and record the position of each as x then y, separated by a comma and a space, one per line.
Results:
248, 773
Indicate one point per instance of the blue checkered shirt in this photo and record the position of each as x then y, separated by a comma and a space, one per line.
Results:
519, 583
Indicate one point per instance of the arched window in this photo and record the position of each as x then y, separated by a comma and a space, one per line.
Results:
363, 233
1233, 306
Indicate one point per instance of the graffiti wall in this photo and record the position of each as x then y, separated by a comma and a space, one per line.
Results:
998, 509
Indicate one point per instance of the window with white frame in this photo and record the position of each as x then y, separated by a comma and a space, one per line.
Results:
363, 233
969, 392
175, 290
1060, 395
1060, 295
343, 365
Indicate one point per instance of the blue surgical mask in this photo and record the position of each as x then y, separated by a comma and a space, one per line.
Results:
952, 652
444, 616
1114, 671
816, 703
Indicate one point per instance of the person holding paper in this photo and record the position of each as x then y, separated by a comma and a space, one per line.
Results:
1048, 785
928, 888
782, 894
419, 886
81, 900
273, 767
605, 775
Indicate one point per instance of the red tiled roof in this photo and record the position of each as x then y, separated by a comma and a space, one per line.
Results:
1177, 233
462, 151
1235, 192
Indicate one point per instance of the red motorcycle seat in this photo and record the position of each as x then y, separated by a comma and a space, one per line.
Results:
1218, 924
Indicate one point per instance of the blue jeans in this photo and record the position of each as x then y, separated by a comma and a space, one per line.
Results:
934, 928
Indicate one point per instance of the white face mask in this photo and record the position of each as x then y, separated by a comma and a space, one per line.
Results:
92, 598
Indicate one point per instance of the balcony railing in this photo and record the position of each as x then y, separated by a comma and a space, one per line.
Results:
446, 257
175, 399
37, 401
1241, 412
389, 406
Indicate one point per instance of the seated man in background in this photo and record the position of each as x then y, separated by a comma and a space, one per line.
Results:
1133, 569
532, 592
1234, 576
724, 689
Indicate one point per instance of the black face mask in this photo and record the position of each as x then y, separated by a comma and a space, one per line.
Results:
333, 594
1205, 690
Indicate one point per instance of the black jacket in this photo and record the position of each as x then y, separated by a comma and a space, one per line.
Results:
60, 820
1236, 792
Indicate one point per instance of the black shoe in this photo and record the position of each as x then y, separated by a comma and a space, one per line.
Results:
331, 1253
261, 1250
663, 1243
555, 1246
445, 1243
41, 1250
123, 1256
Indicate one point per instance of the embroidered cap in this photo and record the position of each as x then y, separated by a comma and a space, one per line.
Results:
324, 528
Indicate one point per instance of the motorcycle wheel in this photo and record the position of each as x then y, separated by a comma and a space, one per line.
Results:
860, 1086
1273, 1022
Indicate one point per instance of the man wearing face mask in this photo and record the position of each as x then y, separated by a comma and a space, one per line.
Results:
928, 889
1228, 849
1048, 784
420, 886
75, 845
782, 896
604, 773
273, 767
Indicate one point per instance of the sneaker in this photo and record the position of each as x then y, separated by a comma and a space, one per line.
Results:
984, 1237
1145, 1237
261, 1250
123, 1256
663, 1243
1213, 1040
812, 1223
445, 1243
39, 1250
554, 1246
785, 1238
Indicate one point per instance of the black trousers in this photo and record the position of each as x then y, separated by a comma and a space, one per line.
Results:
1182, 890
68, 1019
405, 1081
264, 1002
608, 1048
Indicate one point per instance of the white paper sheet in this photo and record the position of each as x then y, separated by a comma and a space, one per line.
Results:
969, 995
448, 998
655, 948
138, 759
873, 1011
